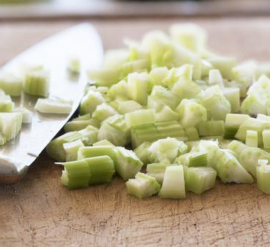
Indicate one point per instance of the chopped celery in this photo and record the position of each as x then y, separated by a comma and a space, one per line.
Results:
104, 77
6, 103
266, 138
128, 106
10, 124
232, 124
166, 150
192, 133
263, 176
233, 96
103, 111
252, 105
140, 117
211, 128
10, 84
103, 143
26, 114
128, 164
82, 117
55, 106
263, 117
191, 113
37, 83
71, 149
157, 170
143, 152
193, 159
252, 138
166, 114
215, 77
74, 183
237, 146
142, 186
90, 102
74, 65
249, 158
173, 185
75, 125
3, 139
230, 170
200, 179
118, 89
159, 75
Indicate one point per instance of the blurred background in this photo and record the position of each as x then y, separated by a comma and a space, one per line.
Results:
12, 9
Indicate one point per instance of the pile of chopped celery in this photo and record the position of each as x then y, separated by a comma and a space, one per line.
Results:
189, 115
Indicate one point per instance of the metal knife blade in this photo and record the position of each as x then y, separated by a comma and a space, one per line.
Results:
84, 42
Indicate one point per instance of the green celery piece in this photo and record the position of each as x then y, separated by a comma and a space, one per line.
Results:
138, 65
71, 149
140, 117
232, 124
193, 159
249, 158
104, 111
89, 135
74, 183
10, 124
95, 151
263, 176
223, 144
166, 114
233, 96
245, 72
116, 103
266, 138
224, 65
230, 170
191, 113
192, 134
166, 150
191, 144
128, 164
6, 103
76, 125
253, 105
128, 106
157, 170
215, 77
236, 146
104, 77
211, 128
159, 75
37, 82
103, 143
90, 101
173, 186
252, 138
137, 87
118, 89
200, 179
10, 84
142, 186
82, 117
142, 152
77, 169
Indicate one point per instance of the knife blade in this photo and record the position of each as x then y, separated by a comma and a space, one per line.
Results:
81, 40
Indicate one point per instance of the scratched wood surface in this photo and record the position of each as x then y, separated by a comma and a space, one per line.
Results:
39, 211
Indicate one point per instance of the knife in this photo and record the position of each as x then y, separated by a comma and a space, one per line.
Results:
82, 41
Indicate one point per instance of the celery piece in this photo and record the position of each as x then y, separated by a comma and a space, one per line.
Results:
193, 159
90, 102
263, 176
115, 130
192, 133
139, 65
263, 117
249, 158
215, 77
157, 170
236, 146
191, 113
252, 138
191, 144
128, 164
200, 179
173, 185
232, 124
54, 106
37, 83
103, 143
166, 114
142, 186
82, 117
230, 170
95, 151
137, 84
76, 125
252, 124
89, 135
211, 128
104, 77
74, 65
266, 138
189, 35
143, 153
6, 104
159, 75
118, 89
102, 90
224, 65
253, 105
10, 84
116, 103
140, 117
74, 183
26, 114
128, 106
245, 72
223, 144
103, 111
233, 96
166, 150
71, 149
10, 124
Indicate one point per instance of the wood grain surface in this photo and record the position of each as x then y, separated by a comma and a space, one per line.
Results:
39, 211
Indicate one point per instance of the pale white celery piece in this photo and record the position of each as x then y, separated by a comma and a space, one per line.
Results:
143, 152
55, 106
232, 94
103, 111
215, 77
128, 106
157, 170
72, 148
10, 84
90, 102
252, 138
140, 117
26, 114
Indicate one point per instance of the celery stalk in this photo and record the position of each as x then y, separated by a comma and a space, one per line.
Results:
193, 159
157, 170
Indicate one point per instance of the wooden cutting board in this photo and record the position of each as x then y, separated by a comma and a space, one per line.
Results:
39, 211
